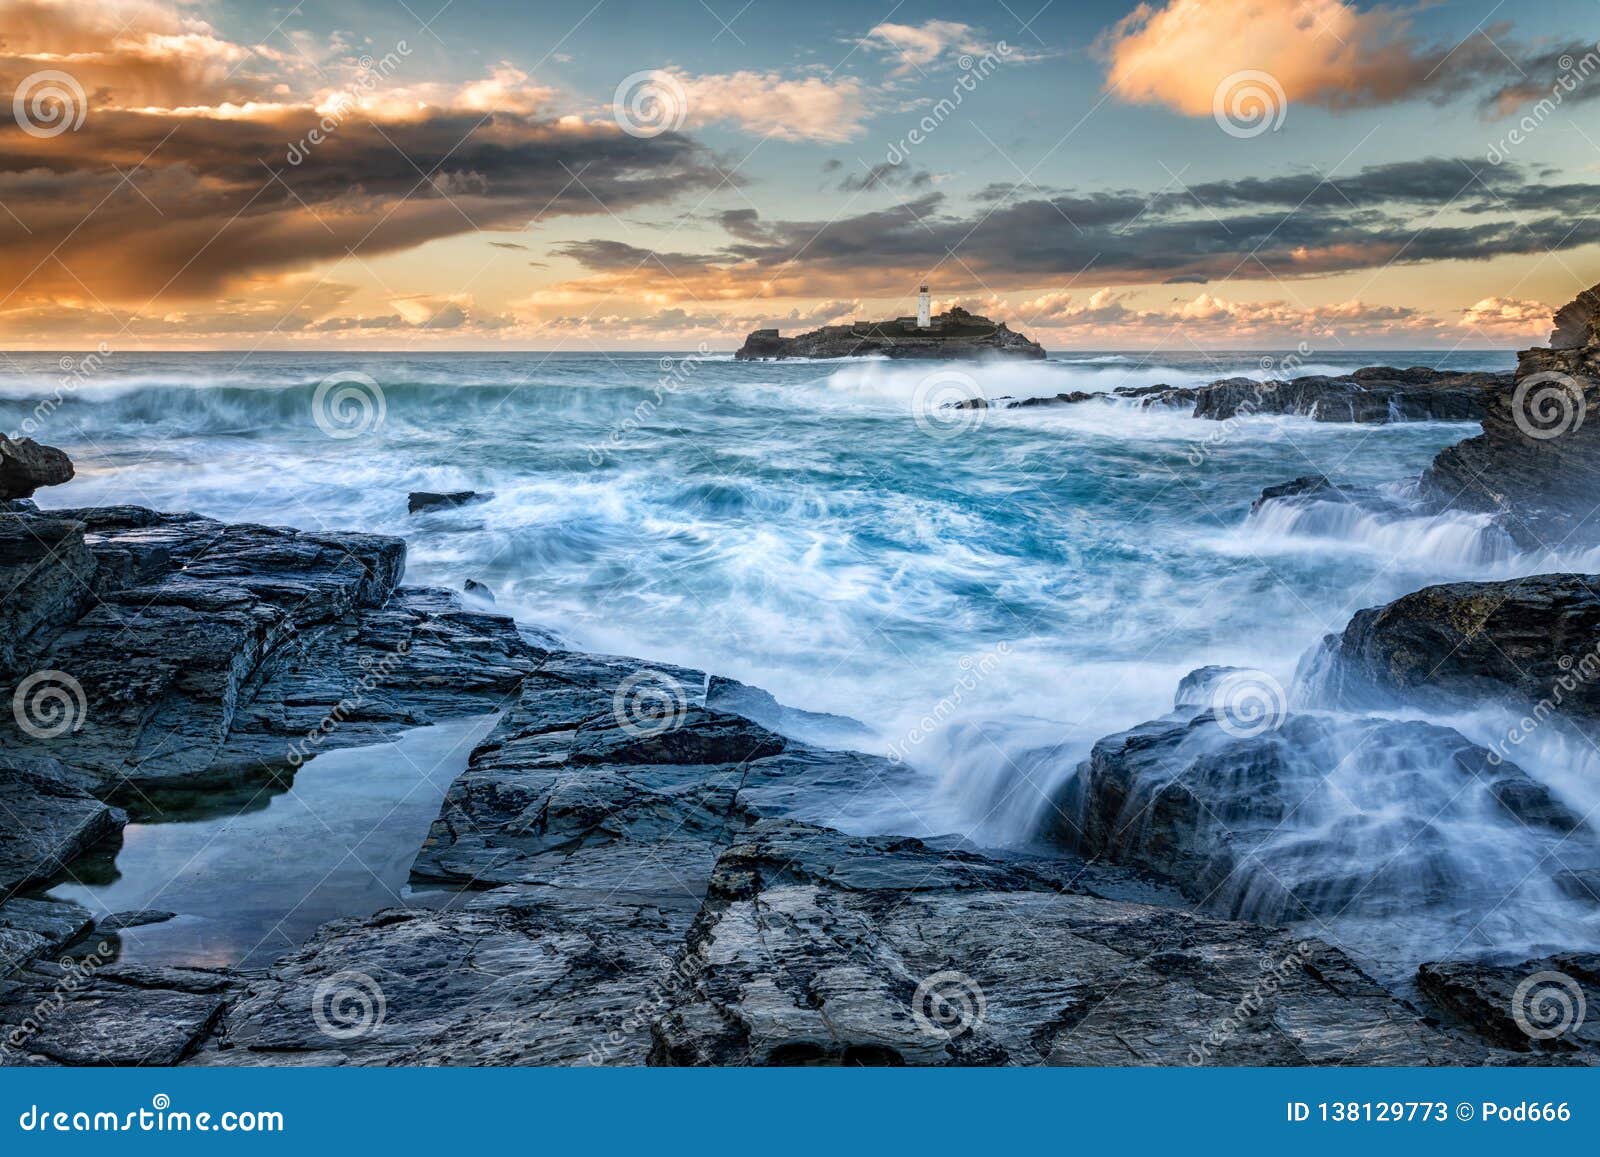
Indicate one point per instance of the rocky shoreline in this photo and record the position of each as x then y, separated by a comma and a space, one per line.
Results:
634, 867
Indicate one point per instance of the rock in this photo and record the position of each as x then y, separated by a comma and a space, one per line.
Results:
32, 928
1374, 395
48, 573
1538, 1006
1195, 690
479, 590
955, 334
1538, 459
1299, 821
419, 501
25, 466
1306, 486
50, 820
1532, 641
819, 948
53, 1016
683, 913
119, 921
215, 652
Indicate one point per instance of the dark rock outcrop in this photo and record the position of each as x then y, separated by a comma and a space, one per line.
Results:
1537, 462
1538, 1006
955, 334
210, 649
1372, 396
50, 819
25, 466
420, 501
1520, 642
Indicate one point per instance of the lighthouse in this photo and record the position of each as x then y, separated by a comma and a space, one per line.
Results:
924, 319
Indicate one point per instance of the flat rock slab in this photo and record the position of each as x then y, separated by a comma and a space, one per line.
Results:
49, 820
819, 948
1548, 1008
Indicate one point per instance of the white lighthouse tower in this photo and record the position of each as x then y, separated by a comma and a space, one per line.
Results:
924, 318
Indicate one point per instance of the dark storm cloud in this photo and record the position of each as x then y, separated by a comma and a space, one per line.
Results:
140, 204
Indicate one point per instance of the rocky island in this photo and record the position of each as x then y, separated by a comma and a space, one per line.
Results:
952, 335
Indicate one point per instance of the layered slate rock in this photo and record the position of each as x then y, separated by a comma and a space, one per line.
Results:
1537, 462
50, 819
1543, 1007
1519, 642
815, 947
422, 501
86, 1012
203, 650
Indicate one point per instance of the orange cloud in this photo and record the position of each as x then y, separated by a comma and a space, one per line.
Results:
1323, 52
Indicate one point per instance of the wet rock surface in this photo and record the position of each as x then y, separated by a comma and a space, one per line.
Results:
25, 466
1372, 396
1538, 459
421, 501
1538, 1007
1523, 641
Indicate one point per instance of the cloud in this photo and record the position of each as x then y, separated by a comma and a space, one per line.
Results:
1297, 225
1323, 52
768, 104
202, 166
885, 175
1508, 316
919, 47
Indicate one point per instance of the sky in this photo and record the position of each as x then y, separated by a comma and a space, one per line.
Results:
605, 174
